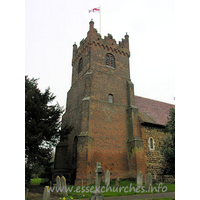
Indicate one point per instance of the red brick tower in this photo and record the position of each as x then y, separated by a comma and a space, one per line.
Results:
100, 107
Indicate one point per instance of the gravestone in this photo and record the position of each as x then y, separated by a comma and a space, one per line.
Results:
63, 186
117, 182
26, 193
46, 193
97, 195
51, 184
139, 179
107, 178
148, 180
154, 178
98, 172
58, 183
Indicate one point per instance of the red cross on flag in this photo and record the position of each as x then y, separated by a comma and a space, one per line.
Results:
95, 10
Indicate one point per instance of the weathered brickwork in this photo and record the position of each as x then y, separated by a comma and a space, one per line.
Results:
106, 132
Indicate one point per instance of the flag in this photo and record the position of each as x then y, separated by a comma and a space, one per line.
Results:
95, 10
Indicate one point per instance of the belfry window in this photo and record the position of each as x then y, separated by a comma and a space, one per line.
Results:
80, 65
110, 98
110, 60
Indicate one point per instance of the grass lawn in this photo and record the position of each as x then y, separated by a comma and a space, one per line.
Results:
125, 188
164, 199
37, 181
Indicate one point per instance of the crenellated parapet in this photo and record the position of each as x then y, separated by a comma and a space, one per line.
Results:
108, 42
112, 46
77, 52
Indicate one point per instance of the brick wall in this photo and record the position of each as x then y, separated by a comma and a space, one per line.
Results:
109, 133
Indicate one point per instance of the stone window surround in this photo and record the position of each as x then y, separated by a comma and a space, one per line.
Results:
151, 149
110, 61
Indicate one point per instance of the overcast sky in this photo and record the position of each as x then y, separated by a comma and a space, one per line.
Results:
52, 27
158, 41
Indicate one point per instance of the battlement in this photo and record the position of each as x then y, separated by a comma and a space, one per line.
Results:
94, 38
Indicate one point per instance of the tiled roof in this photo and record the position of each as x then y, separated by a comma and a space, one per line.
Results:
152, 111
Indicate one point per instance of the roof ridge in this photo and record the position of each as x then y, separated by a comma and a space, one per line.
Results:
155, 100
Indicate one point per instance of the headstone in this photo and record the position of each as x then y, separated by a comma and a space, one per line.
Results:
63, 186
148, 180
46, 193
98, 172
58, 183
26, 193
139, 179
96, 195
154, 178
107, 178
117, 182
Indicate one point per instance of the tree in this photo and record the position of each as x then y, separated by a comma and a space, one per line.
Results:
42, 127
168, 148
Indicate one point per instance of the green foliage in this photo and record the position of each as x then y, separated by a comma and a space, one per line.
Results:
168, 149
37, 181
42, 127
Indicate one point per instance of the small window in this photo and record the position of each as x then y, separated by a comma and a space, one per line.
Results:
80, 65
151, 143
110, 60
110, 98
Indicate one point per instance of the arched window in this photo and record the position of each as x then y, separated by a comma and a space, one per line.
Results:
110, 60
80, 65
151, 143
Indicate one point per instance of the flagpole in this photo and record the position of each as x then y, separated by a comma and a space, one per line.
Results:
100, 20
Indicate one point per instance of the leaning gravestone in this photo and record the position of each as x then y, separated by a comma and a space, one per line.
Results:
107, 178
148, 180
63, 186
139, 179
58, 183
46, 193
117, 182
97, 195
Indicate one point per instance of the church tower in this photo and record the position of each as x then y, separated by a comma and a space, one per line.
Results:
101, 109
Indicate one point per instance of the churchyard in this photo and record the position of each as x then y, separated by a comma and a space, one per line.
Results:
102, 187
75, 195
